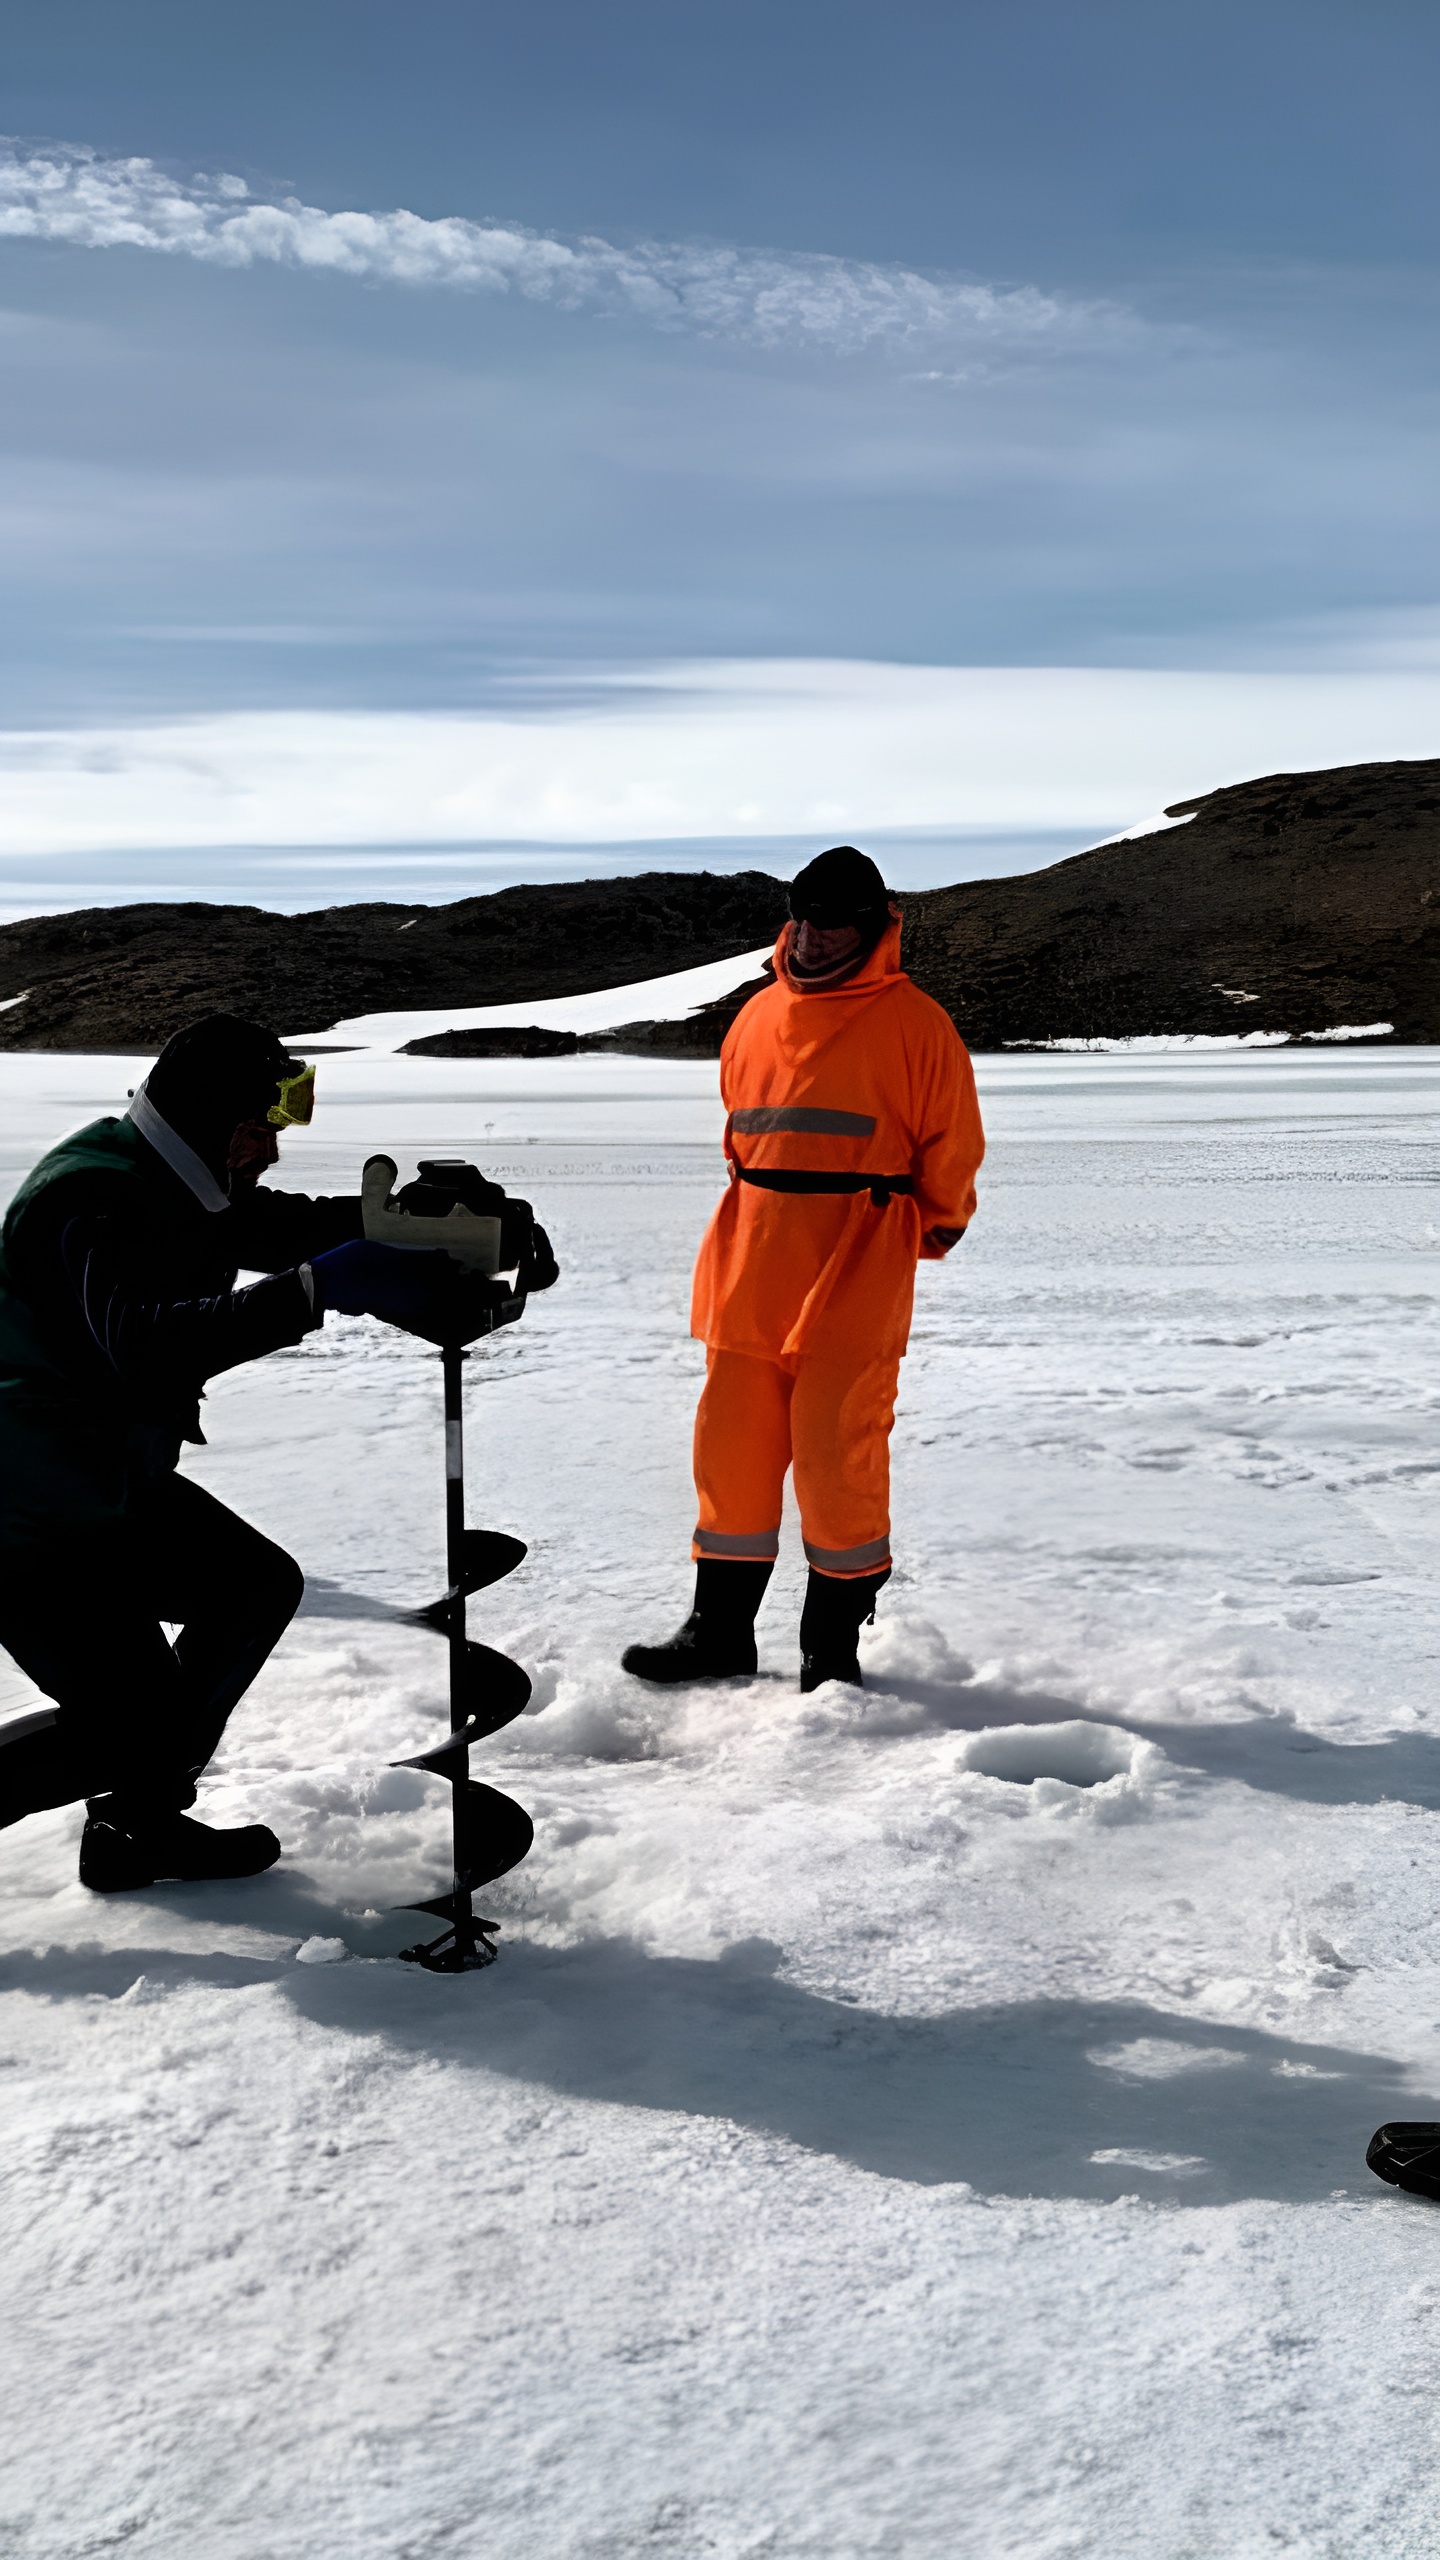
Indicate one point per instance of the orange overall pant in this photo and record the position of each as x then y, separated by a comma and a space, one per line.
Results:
829, 1420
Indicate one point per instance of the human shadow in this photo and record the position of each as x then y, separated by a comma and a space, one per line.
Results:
1272, 1753
1036, 2098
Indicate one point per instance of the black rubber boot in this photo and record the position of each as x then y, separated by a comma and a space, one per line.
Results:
121, 1849
717, 1641
836, 1608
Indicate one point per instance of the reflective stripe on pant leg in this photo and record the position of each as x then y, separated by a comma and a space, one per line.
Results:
742, 1449
859, 1561
840, 1420
754, 1547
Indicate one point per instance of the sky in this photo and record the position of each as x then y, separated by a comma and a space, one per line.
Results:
613, 412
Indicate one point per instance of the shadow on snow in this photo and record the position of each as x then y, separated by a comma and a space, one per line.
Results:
1013, 2100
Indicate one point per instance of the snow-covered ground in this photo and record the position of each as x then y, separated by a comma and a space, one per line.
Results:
927, 2123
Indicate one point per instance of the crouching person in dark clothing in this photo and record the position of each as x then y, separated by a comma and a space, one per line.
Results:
117, 1302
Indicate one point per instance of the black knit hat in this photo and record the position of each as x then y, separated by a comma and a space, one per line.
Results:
214, 1074
839, 887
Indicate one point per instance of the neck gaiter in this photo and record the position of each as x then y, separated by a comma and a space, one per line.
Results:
819, 955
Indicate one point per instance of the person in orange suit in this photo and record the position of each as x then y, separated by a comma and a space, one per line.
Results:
853, 1141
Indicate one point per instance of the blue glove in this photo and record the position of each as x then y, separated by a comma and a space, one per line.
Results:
414, 1290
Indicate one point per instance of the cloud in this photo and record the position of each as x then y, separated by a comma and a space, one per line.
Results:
68, 193
735, 748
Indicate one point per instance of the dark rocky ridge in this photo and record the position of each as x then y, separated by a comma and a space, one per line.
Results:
127, 977
1293, 904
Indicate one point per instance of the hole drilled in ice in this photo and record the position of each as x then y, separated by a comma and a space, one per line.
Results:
1158, 2058
1163, 2163
1081, 1755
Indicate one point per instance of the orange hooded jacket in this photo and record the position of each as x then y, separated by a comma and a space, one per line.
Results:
868, 1077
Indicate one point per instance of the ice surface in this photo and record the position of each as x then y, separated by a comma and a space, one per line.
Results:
924, 2122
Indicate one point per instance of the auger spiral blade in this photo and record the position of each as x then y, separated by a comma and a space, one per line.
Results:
487, 1556
447, 1759
493, 1691
493, 1833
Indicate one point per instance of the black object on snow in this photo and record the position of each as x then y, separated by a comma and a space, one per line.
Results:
122, 1850
1408, 2156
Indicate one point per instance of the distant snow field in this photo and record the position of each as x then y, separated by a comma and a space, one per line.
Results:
666, 999
925, 2124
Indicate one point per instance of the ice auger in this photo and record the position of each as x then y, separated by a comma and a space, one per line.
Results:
472, 1220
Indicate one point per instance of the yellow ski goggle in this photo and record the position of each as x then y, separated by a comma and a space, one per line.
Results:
296, 1106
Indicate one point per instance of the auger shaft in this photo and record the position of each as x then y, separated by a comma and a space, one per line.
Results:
452, 1362
470, 1949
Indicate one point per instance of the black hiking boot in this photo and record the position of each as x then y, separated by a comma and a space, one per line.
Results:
121, 1849
717, 1641
836, 1608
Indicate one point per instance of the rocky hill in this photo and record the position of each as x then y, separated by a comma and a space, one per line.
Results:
126, 977
1294, 903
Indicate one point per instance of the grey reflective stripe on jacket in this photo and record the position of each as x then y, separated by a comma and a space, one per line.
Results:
801, 1121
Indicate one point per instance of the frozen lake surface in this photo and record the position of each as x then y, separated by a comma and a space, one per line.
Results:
926, 2123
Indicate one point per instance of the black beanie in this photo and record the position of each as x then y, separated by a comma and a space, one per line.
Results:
840, 887
214, 1074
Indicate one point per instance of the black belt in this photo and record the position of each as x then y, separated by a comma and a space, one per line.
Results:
879, 1185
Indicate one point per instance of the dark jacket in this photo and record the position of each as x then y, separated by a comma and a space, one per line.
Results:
117, 1302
